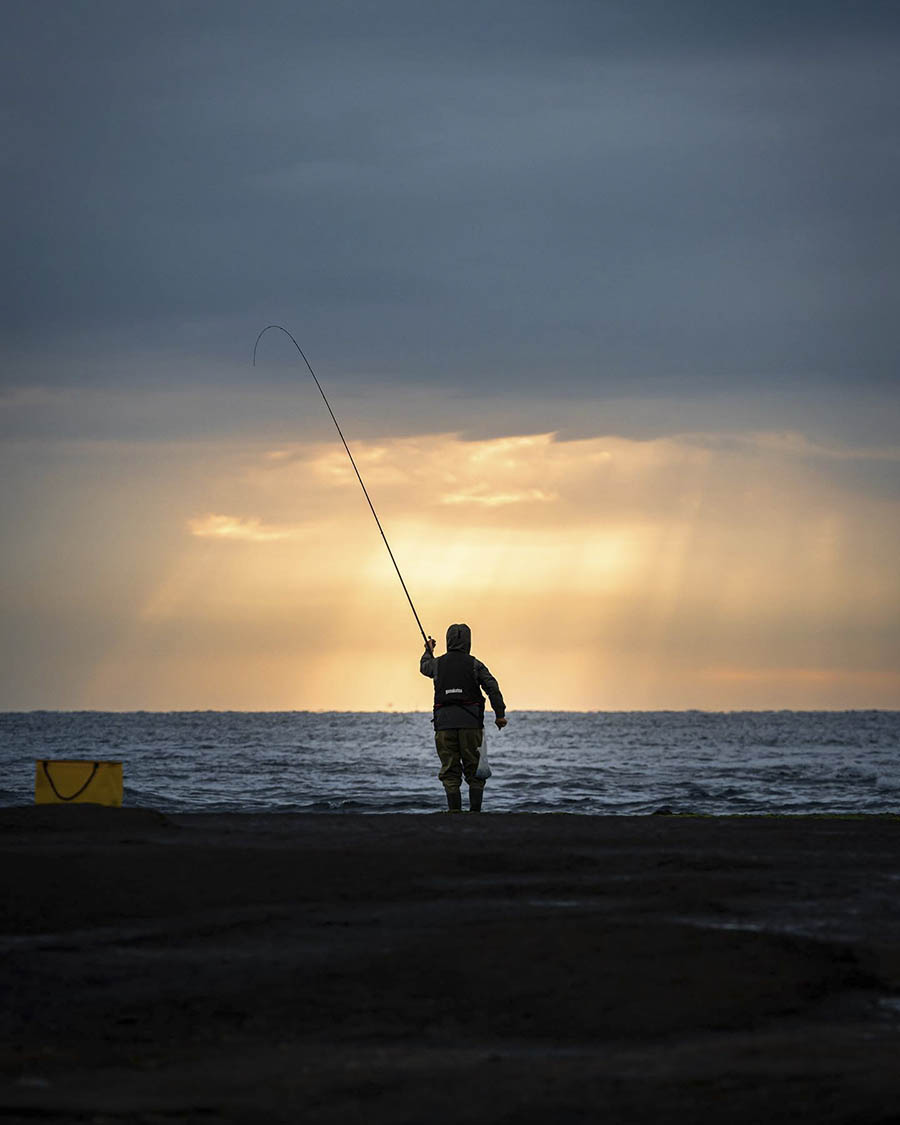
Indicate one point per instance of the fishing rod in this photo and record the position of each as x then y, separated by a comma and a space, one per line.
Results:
352, 462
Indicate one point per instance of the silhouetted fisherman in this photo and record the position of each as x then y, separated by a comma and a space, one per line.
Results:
459, 713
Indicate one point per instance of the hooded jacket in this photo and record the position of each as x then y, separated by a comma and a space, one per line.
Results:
458, 673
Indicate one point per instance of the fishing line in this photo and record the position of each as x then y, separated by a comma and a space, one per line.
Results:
352, 462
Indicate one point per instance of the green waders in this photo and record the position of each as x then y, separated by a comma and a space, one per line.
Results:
458, 752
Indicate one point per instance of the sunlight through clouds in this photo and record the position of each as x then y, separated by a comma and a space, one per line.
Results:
602, 572
653, 572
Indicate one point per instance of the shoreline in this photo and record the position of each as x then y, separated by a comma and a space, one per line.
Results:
87, 817
331, 967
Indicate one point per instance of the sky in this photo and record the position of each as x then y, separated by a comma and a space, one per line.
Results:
604, 295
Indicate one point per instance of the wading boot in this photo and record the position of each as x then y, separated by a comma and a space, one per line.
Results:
454, 801
476, 796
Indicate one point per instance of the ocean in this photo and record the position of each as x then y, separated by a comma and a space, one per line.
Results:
747, 762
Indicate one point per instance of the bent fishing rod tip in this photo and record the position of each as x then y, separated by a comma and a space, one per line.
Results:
337, 426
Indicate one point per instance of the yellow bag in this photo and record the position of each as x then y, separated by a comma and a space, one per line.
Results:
64, 782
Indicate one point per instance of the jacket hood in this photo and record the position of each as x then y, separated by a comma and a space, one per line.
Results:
459, 638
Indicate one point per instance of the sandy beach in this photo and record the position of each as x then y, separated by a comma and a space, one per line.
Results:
228, 968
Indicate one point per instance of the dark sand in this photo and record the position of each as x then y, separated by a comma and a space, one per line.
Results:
448, 968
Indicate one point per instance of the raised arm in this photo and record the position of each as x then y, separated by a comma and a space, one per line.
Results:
427, 661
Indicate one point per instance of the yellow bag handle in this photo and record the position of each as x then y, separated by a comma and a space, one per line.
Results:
78, 792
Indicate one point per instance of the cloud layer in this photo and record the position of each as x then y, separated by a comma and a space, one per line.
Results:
632, 199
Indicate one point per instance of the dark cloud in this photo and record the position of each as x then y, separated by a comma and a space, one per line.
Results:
636, 199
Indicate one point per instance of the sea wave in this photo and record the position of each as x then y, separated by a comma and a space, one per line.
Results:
597, 762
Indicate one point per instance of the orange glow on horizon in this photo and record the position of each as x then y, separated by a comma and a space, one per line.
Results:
596, 574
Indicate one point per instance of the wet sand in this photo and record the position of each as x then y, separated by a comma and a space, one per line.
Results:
502, 968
